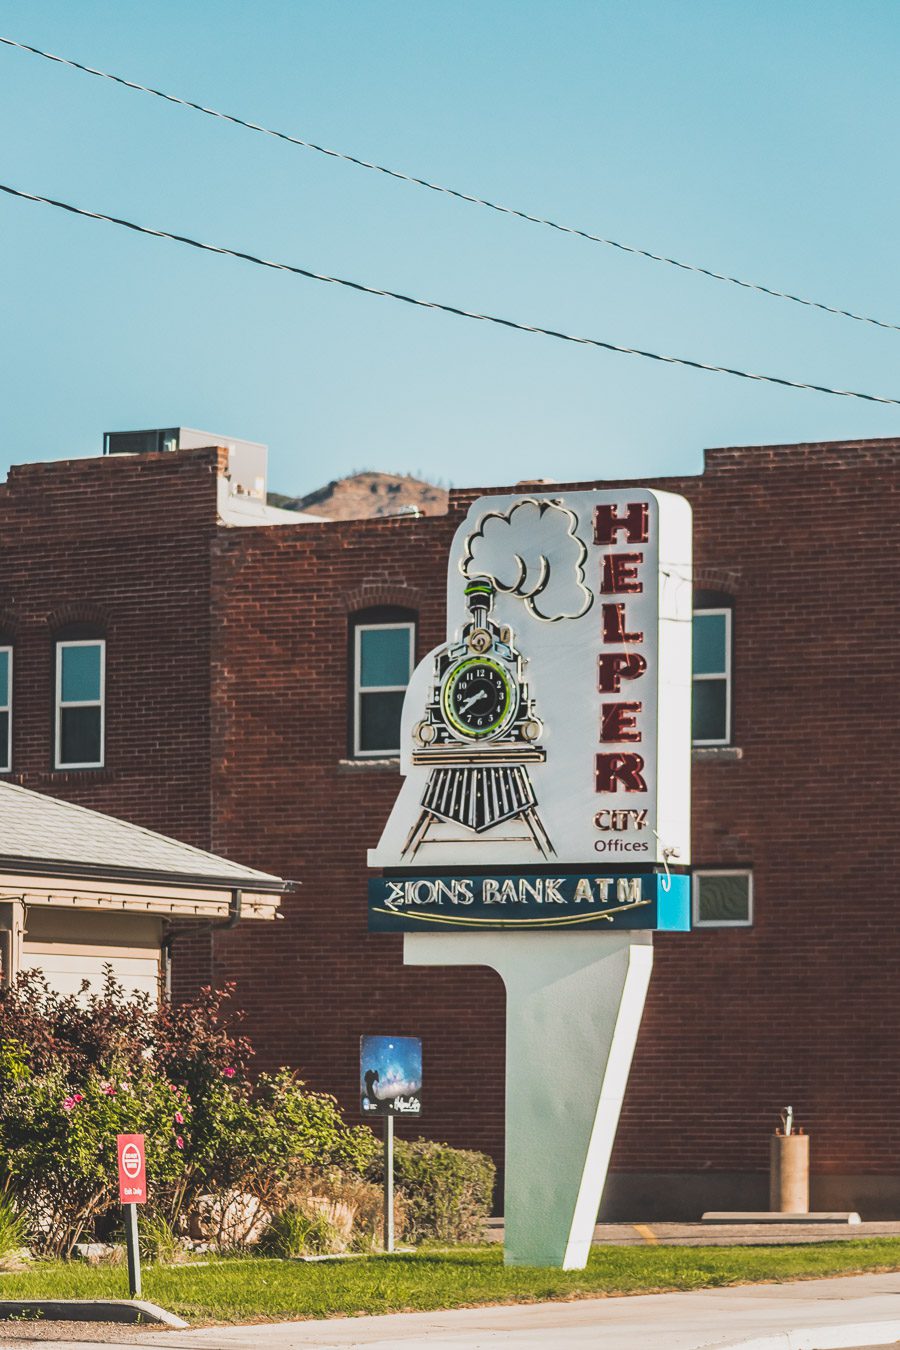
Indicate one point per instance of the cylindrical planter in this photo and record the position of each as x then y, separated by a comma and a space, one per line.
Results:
789, 1174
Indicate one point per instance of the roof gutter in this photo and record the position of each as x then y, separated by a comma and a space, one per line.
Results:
235, 906
235, 909
264, 883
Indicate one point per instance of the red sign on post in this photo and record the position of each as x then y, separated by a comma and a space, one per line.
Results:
132, 1169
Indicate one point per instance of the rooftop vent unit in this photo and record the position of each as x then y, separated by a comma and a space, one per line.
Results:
246, 459
141, 442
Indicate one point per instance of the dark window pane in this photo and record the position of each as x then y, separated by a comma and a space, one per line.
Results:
380, 721
80, 736
709, 643
709, 722
80, 673
723, 899
384, 656
4, 679
4, 741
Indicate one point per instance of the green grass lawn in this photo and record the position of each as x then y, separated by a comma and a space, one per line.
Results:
250, 1288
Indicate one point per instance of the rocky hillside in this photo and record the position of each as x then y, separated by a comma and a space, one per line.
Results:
368, 494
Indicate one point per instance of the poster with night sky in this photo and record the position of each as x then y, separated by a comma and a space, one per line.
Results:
390, 1075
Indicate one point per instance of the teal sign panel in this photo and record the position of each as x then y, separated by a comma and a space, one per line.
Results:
524, 902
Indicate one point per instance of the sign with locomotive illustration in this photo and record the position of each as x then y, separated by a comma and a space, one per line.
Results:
550, 733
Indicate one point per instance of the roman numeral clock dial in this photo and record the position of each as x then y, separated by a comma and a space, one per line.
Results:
479, 698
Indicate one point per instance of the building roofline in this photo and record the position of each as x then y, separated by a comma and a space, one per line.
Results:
28, 865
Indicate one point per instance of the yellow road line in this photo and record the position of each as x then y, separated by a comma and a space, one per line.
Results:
646, 1233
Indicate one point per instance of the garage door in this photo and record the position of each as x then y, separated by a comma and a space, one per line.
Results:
72, 947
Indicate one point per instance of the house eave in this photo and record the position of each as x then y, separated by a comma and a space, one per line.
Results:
170, 898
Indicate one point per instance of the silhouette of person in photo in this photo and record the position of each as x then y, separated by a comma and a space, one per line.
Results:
370, 1079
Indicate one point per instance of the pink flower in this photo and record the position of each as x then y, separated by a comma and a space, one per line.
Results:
229, 1072
172, 1087
179, 1118
179, 1142
69, 1104
108, 1088
77, 1097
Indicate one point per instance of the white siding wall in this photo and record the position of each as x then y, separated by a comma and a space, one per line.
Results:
71, 946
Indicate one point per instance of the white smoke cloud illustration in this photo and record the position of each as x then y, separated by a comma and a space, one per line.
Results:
532, 550
389, 1088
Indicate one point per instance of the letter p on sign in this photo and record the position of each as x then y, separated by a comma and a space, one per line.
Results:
132, 1169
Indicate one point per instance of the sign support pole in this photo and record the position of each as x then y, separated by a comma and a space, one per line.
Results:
388, 1183
134, 1252
573, 1009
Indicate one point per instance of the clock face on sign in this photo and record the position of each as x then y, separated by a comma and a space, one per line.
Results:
478, 698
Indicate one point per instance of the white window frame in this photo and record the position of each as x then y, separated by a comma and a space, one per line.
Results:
8, 709
80, 703
718, 675
721, 872
358, 690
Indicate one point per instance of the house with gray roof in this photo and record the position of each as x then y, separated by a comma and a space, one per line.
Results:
80, 890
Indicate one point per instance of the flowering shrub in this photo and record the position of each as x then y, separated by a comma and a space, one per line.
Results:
76, 1071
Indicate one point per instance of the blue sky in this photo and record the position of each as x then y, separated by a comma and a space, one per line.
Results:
756, 138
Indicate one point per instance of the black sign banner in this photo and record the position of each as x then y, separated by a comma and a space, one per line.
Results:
516, 901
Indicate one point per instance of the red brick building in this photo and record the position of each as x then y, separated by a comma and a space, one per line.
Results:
230, 720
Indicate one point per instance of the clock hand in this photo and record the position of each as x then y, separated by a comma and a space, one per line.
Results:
482, 693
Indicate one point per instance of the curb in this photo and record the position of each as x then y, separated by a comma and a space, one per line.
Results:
133, 1311
843, 1337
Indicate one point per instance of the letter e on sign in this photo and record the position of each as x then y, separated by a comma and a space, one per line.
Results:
132, 1169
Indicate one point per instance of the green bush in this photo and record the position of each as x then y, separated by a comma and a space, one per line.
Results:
76, 1071
13, 1230
158, 1239
58, 1143
303, 1229
447, 1191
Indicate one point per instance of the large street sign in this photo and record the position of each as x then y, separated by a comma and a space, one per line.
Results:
552, 727
543, 823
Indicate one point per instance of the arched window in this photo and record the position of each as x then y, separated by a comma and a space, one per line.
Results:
713, 638
79, 731
382, 655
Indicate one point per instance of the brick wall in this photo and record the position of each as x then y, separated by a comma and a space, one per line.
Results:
316, 980
739, 1022
228, 686
122, 543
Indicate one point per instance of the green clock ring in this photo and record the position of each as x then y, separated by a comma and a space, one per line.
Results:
479, 698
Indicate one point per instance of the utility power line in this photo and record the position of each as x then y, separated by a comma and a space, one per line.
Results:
437, 305
451, 192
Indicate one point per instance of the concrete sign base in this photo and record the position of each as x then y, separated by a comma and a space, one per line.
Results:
573, 1010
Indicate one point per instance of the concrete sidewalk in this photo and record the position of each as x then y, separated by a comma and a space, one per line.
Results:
861, 1310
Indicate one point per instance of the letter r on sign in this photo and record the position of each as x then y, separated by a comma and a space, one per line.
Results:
623, 769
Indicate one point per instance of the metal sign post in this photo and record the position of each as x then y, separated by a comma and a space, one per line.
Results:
132, 1192
134, 1251
389, 1183
390, 1084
